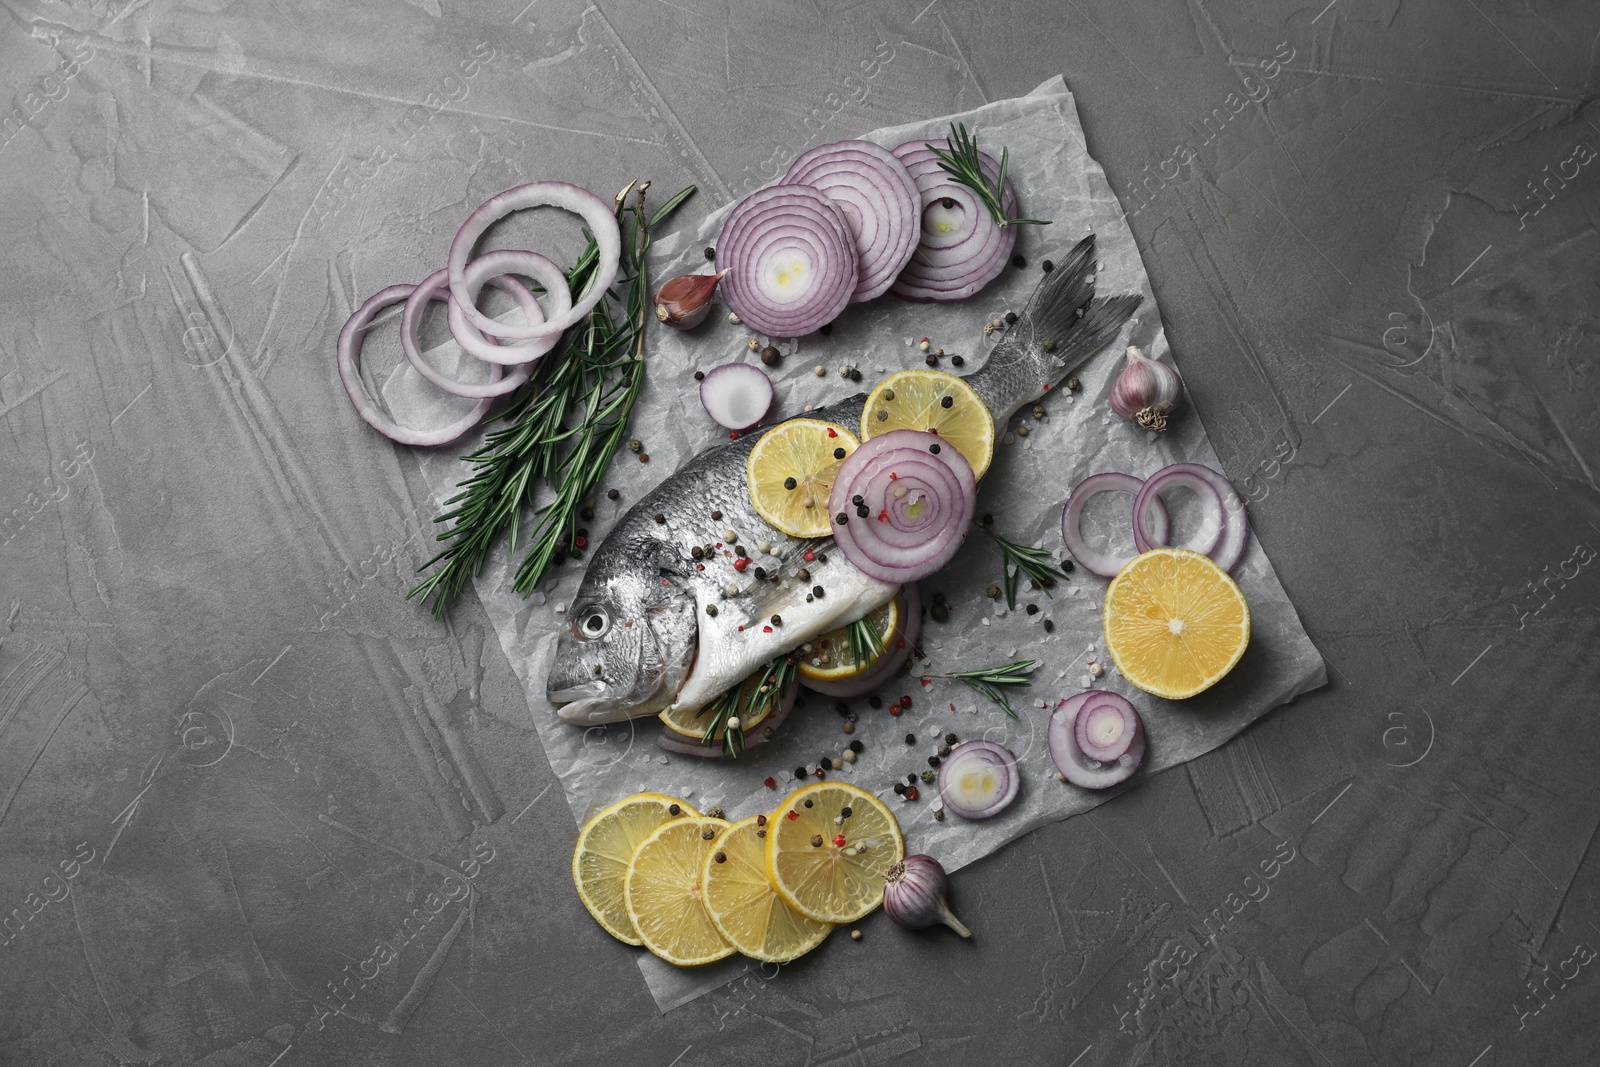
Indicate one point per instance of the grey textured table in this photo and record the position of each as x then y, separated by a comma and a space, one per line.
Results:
230, 752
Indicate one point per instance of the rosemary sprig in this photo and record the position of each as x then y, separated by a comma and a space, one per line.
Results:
594, 375
990, 680
866, 643
747, 705
965, 167
1018, 560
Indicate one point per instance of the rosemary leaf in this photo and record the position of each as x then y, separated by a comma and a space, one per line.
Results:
965, 166
1018, 560
991, 680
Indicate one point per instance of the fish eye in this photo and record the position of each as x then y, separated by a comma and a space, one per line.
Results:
593, 624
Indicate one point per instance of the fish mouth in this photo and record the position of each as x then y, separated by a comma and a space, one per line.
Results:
575, 693
592, 711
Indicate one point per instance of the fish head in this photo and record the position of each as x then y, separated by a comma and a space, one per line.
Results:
628, 643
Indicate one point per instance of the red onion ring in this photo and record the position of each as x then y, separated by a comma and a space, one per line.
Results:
672, 741
1091, 560
1105, 727
1234, 536
879, 201
919, 496
352, 336
898, 647
962, 248
1181, 475
502, 263
773, 234
599, 216
979, 757
1071, 761
433, 288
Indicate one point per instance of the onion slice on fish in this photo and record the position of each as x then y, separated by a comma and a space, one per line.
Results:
433, 288
736, 395
962, 248
352, 337
1075, 765
902, 505
898, 647
597, 215
790, 258
879, 201
1157, 524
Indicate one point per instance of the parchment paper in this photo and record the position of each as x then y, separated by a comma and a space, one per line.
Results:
1055, 178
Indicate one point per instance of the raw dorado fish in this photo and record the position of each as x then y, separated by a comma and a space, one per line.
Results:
639, 638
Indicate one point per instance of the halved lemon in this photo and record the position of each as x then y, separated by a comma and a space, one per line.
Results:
694, 723
830, 658
832, 871
744, 907
666, 893
1175, 623
791, 471
935, 402
606, 845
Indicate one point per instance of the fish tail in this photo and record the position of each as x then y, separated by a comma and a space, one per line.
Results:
1064, 316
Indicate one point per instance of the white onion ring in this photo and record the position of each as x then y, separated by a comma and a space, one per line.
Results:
1232, 539
800, 226
1092, 560
958, 257
433, 287
351, 338
596, 213
879, 201
919, 505
502, 263
1181, 475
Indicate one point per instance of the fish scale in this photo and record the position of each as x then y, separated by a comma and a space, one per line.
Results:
660, 646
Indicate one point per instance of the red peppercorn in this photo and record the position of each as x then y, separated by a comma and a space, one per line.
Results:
581, 542
741, 563
770, 783
911, 793
733, 435
808, 555
839, 841
793, 815
820, 773
894, 709
905, 702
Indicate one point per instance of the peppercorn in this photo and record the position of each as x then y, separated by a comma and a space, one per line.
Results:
1049, 627
944, 750
849, 726
1066, 566
716, 516
934, 448
1073, 385
933, 761
947, 401
912, 794
838, 453
958, 361
771, 783
938, 816
862, 512
761, 574
803, 575
800, 772
905, 702
950, 738
928, 777
856, 746
1033, 609
699, 375
1048, 344
1018, 262
711, 253
911, 779
674, 810
790, 483
708, 833
661, 520
720, 857
931, 360
940, 613
644, 457
636, 445
1011, 317
911, 739
770, 355
816, 840
612, 494
874, 701
992, 592
777, 620
1022, 431
809, 802
1048, 266
738, 550
816, 591
711, 610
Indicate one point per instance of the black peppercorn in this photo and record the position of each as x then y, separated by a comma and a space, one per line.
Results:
612, 494
931, 360
790, 483
950, 738
900, 789
842, 519
862, 511
661, 520
697, 552
856, 746
911, 779
761, 574
874, 701
1033, 609
1049, 627
934, 449
777, 620
911, 739
1048, 266
711, 253
940, 612
838, 453
715, 515
947, 202
738, 550
1018, 262
933, 761
699, 375
1011, 317
816, 591
674, 810
586, 513
1066, 566
958, 361
799, 772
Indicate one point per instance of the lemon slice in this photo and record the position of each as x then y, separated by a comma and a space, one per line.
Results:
915, 400
666, 891
830, 659
817, 876
606, 845
745, 908
791, 471
694, 723
1175, 623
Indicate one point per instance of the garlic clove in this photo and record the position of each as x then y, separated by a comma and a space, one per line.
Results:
1146, 391
684, 302
914, 895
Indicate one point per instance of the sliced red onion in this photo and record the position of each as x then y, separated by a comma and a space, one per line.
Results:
898, 647
917, 496
962, 248
1158, 525
1077, 767
497, 267
790, 259
351, 339
979, 779
1105, 728
598, 215
1181, 475
1233, 536
672, 741
879, 201
433, 288
736, 395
